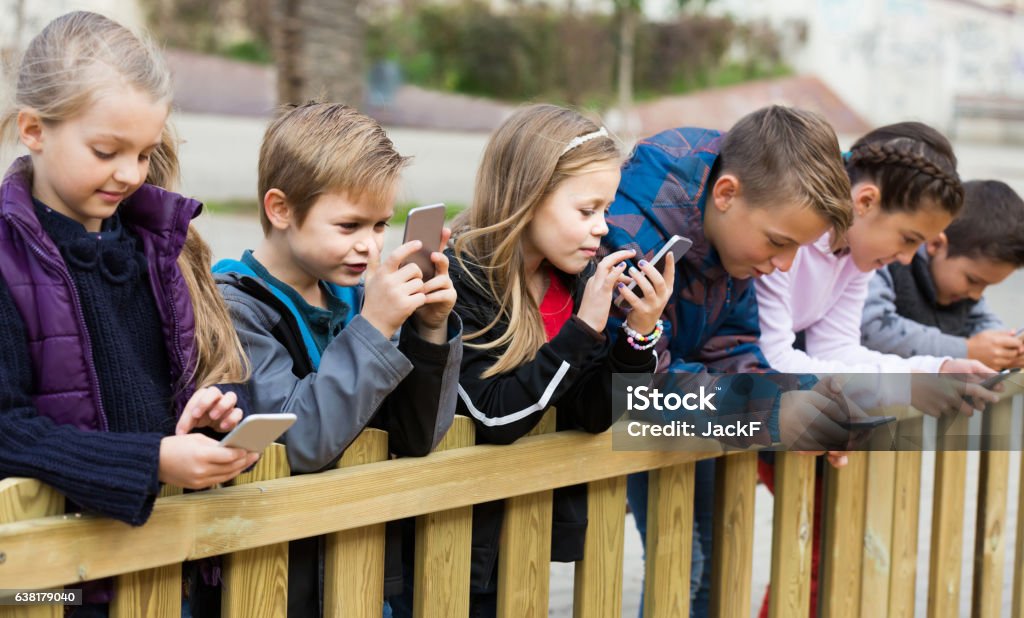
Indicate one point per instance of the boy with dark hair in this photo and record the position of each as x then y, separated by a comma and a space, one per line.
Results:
934, 305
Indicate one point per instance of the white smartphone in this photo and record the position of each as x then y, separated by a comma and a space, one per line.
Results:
424, 224
257, 431
678, 245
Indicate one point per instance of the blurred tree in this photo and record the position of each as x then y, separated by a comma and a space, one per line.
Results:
319, 47
628, 12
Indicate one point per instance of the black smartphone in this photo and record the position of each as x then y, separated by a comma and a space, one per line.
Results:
678, 245
861, 424
999, 377
425, 224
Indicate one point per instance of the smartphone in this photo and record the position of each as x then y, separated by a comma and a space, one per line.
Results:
1019, 334
678, 245
257, 431
870, 422
999, 377
424, 224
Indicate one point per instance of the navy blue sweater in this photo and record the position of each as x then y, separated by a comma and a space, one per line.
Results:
112, 473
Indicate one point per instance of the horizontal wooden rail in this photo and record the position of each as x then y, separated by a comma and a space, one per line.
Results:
228, 520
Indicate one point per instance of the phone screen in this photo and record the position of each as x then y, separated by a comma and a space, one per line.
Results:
676, 245
425, 224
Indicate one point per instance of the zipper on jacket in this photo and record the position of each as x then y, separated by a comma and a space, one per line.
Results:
76, 302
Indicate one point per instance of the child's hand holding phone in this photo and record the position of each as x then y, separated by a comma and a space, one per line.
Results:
392, 291
655, 290
597, 296
439, 298
995, 348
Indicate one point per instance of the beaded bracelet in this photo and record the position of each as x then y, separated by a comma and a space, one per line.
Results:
638, 341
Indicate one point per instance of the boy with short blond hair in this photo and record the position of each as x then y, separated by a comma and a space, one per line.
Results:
340, 353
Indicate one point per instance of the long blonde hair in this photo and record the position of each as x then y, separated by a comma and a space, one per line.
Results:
522, 165
76, 56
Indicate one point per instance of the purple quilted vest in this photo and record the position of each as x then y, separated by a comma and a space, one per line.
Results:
66, 386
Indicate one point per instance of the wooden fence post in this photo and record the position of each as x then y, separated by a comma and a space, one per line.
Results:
669, 541
22, 499
354, 559
153, 593
444, 547
524, 559
732, 564
256, 580
792, 535
843, 538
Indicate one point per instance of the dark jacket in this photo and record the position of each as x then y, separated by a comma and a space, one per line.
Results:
902, 314
572, 372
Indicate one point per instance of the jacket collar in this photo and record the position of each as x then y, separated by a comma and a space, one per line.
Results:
152, 210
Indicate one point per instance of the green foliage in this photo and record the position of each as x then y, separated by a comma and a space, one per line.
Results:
250, 207
533, 52
249, 51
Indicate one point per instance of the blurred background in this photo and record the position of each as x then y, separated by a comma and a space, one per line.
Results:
441, 74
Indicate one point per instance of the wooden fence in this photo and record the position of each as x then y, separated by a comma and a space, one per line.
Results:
871, 514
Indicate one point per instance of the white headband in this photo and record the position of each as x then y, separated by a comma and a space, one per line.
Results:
583, 139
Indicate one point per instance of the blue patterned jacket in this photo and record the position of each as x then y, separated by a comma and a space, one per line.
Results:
711, 326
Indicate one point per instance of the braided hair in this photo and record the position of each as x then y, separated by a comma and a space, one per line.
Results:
910, 162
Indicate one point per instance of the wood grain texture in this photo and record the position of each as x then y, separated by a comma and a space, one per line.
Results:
354, 559
792, 535
905, 524
843, 542
876, 567
256, 580
246, 516
26, 499
444, 544
524, 560
947, 534
669, 542
733, 553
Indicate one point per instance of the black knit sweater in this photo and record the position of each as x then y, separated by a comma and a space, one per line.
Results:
113, 473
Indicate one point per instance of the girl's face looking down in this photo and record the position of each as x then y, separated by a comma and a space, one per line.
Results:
878, 238
567, 226
85, 167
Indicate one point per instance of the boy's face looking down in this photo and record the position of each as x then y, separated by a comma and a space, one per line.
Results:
960, 277
754, 240
339, 238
